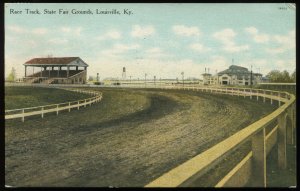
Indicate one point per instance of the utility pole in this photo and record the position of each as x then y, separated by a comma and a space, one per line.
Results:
97, 77
155, 81
251, 77
182, 73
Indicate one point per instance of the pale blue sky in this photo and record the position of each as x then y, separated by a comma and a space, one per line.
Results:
157, 39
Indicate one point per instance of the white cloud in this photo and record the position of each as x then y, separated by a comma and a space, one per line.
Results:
199, 48
216, 64
39, 31
16, 29
119, 49
154, 50
234, 48
288, 65
142, 31
156, 53
71, 30
66, 29
226, 36
283, 43
183, 30
251, 30
261, 38
57, 41
112, 34
22, 30
257, 37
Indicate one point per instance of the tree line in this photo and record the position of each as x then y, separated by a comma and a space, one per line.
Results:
281, 77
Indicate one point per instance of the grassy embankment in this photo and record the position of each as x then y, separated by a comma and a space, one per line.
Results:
23, 97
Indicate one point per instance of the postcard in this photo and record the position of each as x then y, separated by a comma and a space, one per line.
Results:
150, 95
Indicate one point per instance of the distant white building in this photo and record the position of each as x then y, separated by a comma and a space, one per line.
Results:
234, 75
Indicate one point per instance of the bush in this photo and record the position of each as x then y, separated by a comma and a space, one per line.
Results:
98, 83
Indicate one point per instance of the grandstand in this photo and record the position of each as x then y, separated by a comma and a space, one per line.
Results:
56, 70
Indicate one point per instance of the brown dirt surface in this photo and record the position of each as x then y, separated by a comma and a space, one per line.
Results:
129, 138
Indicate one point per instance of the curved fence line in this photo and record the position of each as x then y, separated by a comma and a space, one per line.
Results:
253, 166
41, 110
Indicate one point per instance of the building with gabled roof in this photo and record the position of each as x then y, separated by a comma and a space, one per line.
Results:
61, 70
234, 75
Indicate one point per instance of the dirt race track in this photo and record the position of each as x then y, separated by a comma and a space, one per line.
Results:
128, 139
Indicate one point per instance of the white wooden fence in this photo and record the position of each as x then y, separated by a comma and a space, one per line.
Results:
253, 166
41, 110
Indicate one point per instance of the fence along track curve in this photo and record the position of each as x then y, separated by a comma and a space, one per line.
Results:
255, 161
41, 110
262, 143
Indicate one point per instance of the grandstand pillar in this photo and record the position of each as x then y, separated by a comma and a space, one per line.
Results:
67, 71
49, 72
41, 71
25, 70
76, 68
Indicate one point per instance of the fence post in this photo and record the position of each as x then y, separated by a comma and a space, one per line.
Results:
23, 117
244, 93
290, 128
264, 96
78, 105
250, 93
259, 159
271, 98
256, 95
69, 106
281, 136
42, 112
57, 109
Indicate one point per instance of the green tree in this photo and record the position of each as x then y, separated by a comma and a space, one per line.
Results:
12, 76
293, 77
285, 77
274, 76
280, 77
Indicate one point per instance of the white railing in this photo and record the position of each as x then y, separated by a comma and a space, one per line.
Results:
255, 161
41, 110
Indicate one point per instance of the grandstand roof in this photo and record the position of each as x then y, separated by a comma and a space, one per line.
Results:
56, 61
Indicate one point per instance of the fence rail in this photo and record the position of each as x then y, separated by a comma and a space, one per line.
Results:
253, 166
255, 161
41, 110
